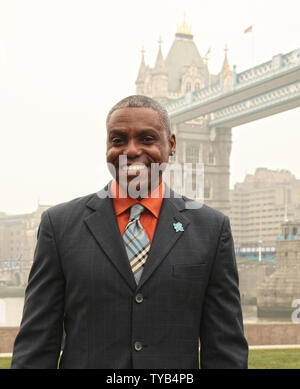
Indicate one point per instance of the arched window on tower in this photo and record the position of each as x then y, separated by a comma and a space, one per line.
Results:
197, 86
188, 87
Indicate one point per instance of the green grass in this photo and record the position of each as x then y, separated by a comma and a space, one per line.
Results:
258, 359
5, 362
274, 359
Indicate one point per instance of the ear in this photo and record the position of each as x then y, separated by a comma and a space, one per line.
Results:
172, 143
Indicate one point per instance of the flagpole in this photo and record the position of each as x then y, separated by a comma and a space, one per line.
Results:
206, 61
250, 30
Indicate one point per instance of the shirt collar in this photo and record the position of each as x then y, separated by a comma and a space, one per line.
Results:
152, 203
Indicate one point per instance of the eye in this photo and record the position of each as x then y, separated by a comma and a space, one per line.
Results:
148, 139
116, 140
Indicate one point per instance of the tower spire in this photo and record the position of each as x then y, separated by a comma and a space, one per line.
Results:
142, 69
160, 66
226, 67
183, 30
159, 76
159, 43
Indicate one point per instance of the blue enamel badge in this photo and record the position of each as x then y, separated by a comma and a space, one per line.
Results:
178, 227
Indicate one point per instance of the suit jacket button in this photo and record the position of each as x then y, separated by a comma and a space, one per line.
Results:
139, 298
138, 346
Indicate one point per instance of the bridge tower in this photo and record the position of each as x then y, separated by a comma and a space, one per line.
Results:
182, 71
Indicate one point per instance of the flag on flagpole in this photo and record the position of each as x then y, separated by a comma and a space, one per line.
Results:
249, 29
208, 51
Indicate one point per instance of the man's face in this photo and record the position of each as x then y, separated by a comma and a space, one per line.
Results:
137, 133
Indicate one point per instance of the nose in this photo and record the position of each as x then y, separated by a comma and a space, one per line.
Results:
132, 149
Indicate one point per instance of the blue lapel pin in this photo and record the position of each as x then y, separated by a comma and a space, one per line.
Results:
178, 227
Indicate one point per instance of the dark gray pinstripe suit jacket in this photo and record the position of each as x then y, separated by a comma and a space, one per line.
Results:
81, 280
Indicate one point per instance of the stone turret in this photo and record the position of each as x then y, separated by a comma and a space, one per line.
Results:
226, 73
279, 290
288, 246
185, 66
160, 77
140, 81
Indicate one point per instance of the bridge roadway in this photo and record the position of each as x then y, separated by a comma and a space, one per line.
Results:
259, 92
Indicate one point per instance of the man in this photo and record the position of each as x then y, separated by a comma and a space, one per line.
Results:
135, 281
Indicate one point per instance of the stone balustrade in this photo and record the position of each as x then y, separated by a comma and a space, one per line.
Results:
256, 103
279, 64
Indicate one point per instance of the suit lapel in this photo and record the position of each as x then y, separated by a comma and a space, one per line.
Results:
165, 235
102, 224
104, 227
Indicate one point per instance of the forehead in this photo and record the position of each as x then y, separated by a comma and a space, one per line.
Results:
134, 117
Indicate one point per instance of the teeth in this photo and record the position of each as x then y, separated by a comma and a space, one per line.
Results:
134, 167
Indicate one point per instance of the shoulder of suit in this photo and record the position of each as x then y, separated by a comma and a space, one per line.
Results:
197, 209
70, 207
200, 207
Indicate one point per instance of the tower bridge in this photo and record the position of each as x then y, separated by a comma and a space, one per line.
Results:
204, 107
264, 90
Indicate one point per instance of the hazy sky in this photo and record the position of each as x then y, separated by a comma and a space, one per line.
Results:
63, 64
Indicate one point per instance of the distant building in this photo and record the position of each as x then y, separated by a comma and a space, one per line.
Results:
260, 204
17, 244
182, 71
18, 234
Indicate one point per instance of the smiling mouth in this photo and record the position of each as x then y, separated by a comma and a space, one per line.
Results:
133, 168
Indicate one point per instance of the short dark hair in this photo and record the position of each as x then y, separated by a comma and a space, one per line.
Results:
141, 101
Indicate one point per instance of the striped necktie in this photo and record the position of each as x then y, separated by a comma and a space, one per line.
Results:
136, 242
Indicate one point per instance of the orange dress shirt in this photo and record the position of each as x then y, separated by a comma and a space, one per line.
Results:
150, 215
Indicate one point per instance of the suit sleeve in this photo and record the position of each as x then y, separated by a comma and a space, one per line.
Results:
223, 345
38, 343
